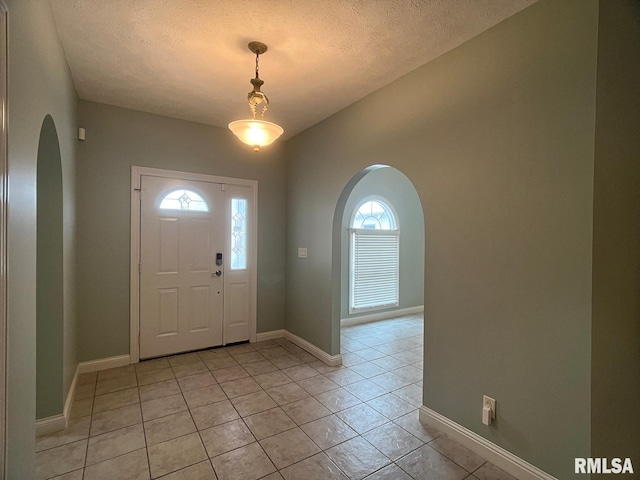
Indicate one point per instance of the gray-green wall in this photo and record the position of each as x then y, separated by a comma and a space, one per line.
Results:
395, 187
118, 138
497, 137
49, 275
39, 84
615, 377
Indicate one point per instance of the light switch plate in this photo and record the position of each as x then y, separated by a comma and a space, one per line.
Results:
302, 252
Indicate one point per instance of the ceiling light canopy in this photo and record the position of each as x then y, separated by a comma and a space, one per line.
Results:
256, 131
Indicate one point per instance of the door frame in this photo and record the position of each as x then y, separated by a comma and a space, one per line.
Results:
134, 312
4, 204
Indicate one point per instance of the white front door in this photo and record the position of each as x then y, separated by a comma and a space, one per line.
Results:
182, 250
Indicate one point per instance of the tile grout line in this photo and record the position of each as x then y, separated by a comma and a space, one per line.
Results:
144, 431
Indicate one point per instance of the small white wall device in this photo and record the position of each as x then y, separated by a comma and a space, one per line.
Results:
488, 410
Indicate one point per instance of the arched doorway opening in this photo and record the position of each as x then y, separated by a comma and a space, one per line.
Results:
49, 274
388, 183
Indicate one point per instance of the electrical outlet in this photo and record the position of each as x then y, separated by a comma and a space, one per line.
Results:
491, 403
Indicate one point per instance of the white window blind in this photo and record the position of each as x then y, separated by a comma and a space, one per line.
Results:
374, 269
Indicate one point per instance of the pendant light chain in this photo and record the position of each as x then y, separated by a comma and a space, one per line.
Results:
257, 65
256, 97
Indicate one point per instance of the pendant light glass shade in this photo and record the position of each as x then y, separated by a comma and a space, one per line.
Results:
256, 131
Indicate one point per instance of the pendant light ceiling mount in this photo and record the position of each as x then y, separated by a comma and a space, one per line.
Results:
258, 47
256, 131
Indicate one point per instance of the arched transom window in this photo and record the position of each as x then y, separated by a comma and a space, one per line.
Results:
374, 215
374, 256
183, 199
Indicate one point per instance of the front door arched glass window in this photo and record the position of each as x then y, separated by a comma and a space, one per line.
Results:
182, 199
374, 256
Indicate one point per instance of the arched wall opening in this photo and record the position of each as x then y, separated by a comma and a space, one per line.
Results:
49, 274
393, 185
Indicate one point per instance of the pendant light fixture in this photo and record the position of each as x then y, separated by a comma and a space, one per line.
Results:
256, 131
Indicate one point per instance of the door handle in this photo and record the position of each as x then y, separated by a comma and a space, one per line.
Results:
217, 273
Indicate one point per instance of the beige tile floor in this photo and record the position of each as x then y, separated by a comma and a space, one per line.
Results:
264, 410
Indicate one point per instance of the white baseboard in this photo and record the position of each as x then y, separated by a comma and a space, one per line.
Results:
497, 455
104, 363
51, 424
71, 394
273, 334
331, 360
59, 422
374, 317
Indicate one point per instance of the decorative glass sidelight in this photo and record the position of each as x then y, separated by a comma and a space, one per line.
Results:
238, 234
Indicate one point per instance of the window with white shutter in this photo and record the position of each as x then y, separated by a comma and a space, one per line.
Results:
374, 256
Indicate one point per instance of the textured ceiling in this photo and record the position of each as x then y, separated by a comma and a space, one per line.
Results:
189, 58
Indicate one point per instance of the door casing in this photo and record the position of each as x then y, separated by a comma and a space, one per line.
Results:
4, 203
134, 313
